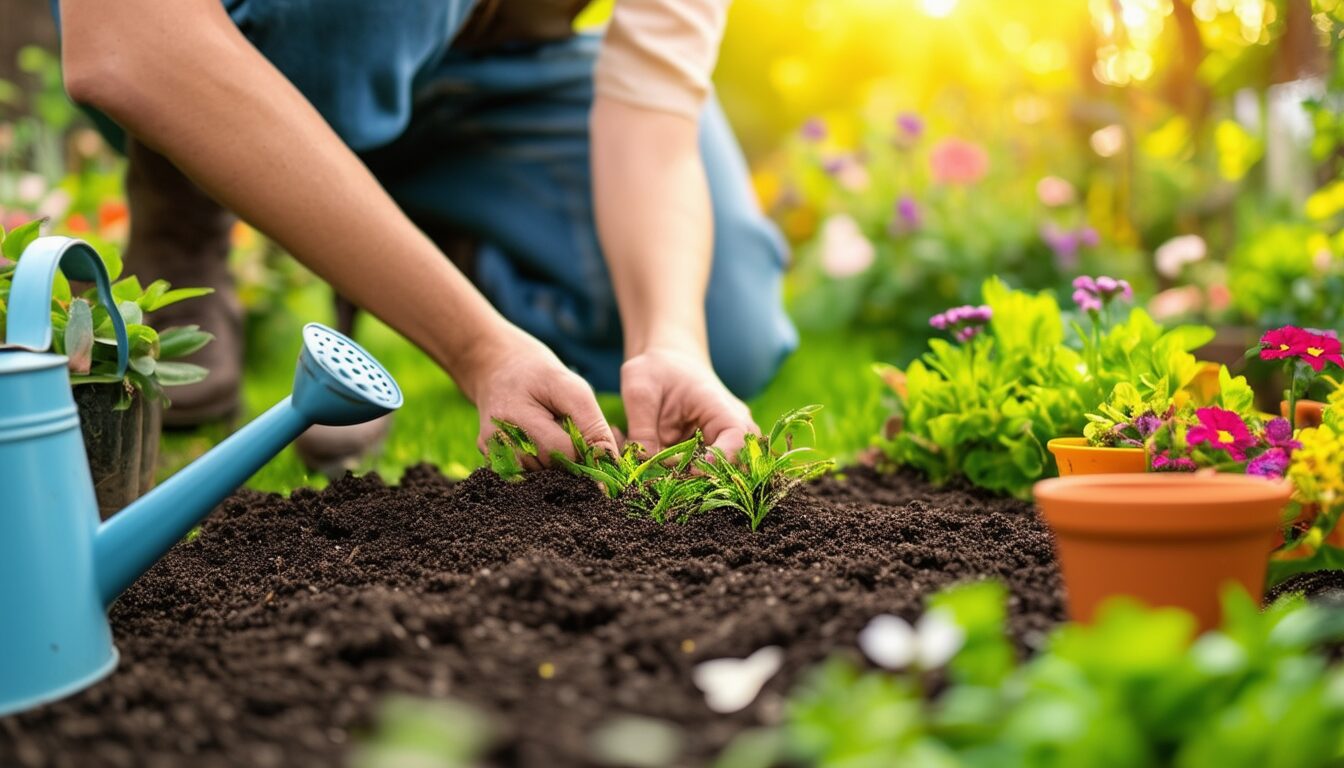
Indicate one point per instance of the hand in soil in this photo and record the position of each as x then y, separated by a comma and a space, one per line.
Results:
523, 383
669, 395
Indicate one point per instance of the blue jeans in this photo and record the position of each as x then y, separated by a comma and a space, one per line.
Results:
497, 147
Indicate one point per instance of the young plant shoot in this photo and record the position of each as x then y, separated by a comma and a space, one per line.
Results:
766, 471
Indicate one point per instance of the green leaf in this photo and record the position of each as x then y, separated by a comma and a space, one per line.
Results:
130, 313
176, 295
182, 341
127, 289
79, 337
175, 374
144, 365
19, 238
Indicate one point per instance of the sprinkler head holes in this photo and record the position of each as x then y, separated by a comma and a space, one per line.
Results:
338, 382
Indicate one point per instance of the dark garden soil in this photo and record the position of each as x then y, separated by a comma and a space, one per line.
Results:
1324, 587
271, 638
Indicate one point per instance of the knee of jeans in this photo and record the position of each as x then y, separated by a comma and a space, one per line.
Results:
750, 333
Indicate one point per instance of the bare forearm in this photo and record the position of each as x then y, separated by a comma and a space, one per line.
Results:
184, 81
655, 223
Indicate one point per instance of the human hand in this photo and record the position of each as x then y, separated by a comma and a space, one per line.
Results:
519, 380
670, 393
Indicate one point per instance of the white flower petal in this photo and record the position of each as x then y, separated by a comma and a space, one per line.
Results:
731, 685
938, 639
889, 641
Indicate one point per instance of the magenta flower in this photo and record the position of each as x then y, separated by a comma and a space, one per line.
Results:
1065, 244
1271, 463
1223, 430
1314, 349
1165, 462
1086, 300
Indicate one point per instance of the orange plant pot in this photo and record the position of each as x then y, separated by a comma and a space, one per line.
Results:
1076, 457
1165, 539
1310, 413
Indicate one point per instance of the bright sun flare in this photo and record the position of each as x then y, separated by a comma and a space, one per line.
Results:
939, 9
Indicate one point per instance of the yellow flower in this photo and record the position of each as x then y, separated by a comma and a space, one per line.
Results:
1317, 470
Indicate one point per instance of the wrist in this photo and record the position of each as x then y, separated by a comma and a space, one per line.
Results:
682, 338
476, 353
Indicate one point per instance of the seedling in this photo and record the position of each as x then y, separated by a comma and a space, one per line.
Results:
650, 487
505, 449
767, 469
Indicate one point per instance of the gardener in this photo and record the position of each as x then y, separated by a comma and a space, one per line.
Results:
612, 223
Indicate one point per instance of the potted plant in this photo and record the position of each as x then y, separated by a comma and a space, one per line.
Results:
1167, 539
121, 416
1314, 540
1146, 373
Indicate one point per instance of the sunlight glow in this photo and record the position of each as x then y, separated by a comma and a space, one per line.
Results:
939, 9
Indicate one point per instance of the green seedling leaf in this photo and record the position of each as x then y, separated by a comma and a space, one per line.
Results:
182, 341
504, 450
79, 337
144, 365
19, 238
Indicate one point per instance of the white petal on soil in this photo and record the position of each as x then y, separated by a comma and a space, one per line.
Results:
940, 637
889, 641
730, 685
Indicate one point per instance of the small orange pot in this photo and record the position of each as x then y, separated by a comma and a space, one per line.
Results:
1076, 457
1166, 539
1310, 413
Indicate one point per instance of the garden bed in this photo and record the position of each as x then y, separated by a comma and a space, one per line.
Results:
271, 638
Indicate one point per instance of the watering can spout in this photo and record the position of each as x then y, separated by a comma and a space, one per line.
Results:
337, 383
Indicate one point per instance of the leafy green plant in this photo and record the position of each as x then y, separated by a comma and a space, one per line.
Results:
767, 469
82, 326
504, 450
985, 407
1136, 689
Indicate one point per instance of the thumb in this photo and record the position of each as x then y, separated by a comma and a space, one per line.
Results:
573, 397
642, 408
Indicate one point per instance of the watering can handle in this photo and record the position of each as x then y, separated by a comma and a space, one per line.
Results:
29, 317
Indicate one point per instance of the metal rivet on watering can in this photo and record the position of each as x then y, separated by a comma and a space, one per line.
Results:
59, 568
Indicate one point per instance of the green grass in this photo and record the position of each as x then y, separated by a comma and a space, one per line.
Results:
438, 425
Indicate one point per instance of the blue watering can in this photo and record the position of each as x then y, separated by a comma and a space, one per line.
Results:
59, 568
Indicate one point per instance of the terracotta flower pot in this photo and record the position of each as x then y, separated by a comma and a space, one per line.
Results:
1166, 539
1076, 457
1309, 412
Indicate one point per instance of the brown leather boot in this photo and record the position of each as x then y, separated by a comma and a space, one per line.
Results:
179, 234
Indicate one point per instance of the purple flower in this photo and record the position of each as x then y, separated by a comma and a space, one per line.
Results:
911, 125
1092, 294
908, 211
814, 130
965, 322
1271, 463
1279, 433
1086, 300
1088, 237
1147, 424
1165, 462
1066, 243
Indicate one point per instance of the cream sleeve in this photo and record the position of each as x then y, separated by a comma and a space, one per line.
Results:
660, 54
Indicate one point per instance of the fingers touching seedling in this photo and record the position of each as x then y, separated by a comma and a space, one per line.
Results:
683, 479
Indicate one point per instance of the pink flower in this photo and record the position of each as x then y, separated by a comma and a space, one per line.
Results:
958, 162
1223, 430
1093, 293
911, 125
1172, 256
844, 249
1165, 462
1314, 349
814, 130
1054, 192
1176, 302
